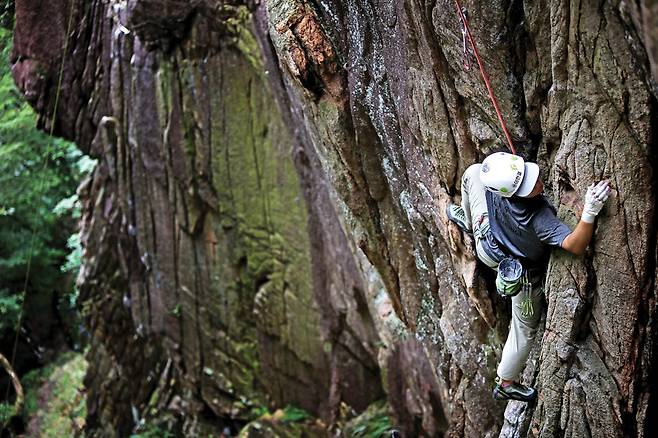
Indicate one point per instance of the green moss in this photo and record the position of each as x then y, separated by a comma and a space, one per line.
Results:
55, 396
33, 381
257, 226
248, 45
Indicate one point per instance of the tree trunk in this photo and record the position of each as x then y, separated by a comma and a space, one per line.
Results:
16, 383
212, 119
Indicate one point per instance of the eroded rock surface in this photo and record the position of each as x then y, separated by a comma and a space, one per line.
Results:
266, 225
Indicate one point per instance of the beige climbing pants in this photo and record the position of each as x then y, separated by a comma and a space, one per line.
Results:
523, 326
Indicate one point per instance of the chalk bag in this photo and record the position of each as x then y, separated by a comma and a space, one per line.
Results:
509, 279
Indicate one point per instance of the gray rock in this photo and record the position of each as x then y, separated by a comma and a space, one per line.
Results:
227, 110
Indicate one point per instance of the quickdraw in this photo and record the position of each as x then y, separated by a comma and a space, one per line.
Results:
526, 305
467, 52
466, 32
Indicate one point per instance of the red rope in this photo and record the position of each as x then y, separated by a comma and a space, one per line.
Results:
485, 77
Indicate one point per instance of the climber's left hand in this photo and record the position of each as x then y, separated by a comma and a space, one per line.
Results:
596, 196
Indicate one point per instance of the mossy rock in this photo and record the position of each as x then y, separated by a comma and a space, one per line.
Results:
55, 402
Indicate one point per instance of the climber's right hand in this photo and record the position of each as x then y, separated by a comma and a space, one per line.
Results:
596, 196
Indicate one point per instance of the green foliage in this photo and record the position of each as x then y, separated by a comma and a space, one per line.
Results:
7, 14
176, 311
373, 423
379, 426
292, 414
38, 177
290, 422
259, 411
73, 258
153, 431
9, 307
6, 412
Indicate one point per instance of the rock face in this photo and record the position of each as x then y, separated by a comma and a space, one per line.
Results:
266, 222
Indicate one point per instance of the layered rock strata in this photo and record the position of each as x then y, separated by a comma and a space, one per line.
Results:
266, 222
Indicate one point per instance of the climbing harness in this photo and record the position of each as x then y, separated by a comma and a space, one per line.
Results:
42, 182
466, 32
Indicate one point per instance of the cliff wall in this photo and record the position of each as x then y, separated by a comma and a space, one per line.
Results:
266, 225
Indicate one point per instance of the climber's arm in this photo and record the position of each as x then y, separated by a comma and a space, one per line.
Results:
577, 241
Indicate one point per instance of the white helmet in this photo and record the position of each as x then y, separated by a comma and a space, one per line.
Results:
507, 174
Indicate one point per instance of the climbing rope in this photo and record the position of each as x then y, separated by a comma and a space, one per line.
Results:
466, 32
41, 185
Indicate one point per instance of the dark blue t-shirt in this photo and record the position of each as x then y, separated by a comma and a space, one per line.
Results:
525, 227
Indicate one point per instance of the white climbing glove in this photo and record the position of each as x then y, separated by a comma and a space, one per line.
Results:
596, 196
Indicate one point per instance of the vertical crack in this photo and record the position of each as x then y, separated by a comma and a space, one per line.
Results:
648, 313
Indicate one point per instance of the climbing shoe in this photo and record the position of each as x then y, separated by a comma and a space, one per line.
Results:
456, 214
514, 391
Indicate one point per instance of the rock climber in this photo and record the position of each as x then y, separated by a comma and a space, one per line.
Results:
504, 207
